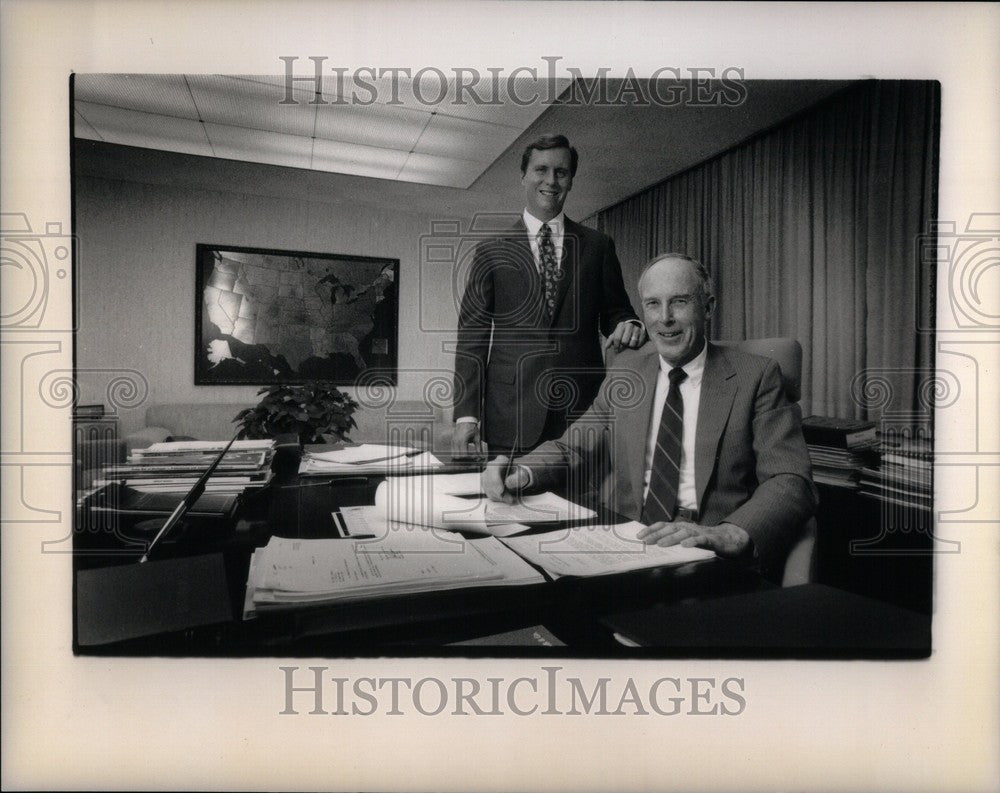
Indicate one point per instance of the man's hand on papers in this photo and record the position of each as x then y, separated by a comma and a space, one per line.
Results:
726, 539
465, 441
496, 487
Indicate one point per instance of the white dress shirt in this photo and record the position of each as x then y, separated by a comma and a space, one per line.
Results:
534, 226
687, 496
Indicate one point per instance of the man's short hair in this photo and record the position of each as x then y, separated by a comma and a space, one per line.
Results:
702, 271
550, 142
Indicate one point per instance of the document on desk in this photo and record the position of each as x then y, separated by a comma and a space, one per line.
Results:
368, 458
598, 550
371, 522
188, 447
288, 572
430, 501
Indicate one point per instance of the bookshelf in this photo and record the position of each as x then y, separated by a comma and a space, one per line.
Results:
875, 514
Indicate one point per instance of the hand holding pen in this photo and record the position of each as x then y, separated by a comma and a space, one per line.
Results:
501, 480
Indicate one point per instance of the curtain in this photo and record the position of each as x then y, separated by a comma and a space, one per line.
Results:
810, 230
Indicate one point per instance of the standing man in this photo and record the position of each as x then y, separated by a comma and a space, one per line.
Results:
528, 350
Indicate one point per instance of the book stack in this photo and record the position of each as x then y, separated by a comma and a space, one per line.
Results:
173, 467
88, 412
904, 476
839, 449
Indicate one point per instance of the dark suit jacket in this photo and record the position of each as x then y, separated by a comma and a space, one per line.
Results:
532, 364
751, 464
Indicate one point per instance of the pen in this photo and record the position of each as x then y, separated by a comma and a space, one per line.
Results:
510, 460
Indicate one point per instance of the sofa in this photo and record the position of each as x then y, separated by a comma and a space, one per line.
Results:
404, 421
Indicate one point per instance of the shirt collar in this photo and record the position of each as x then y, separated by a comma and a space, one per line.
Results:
693, 368
534, 225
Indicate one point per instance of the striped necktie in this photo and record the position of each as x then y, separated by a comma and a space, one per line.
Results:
661, 498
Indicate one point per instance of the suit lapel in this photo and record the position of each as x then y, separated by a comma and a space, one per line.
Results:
634, 424
523, 256
718, 389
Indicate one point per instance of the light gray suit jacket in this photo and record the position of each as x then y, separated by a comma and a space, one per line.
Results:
751, 464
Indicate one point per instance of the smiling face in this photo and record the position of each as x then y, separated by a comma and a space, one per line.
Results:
675, 308
547, 181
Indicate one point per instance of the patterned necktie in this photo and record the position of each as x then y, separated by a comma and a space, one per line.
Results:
549, 268
661, 499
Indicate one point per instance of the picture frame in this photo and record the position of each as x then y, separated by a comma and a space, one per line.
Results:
265, 316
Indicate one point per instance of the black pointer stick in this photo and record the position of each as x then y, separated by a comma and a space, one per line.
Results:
187, 502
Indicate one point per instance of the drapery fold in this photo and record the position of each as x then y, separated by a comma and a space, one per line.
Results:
810, 230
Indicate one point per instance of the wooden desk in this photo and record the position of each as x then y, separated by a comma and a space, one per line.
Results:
872, 548
426, 624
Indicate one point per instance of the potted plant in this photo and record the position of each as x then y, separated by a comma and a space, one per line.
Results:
310, 410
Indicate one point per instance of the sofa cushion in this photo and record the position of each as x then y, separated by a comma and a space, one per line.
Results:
210, 421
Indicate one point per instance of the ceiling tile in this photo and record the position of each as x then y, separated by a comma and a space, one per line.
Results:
149, 130
373, 125
358, 160
242, 103
251, 145
513, 103
278, 80
165, 93
444, 171
462, 139
83, 129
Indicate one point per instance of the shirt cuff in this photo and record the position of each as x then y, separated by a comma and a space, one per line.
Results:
467, 420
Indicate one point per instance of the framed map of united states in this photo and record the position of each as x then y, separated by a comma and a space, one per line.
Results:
270, 316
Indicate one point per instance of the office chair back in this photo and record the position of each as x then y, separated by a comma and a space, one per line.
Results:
800, 567
786, 351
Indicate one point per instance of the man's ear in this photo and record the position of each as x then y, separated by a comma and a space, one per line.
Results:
709, 306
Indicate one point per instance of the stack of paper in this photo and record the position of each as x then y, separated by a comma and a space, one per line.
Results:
174, 467
289, 572
599, 550
368, 458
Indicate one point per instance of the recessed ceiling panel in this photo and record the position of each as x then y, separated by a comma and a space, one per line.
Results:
148, 130
437, 134
251, 145
163, 93
241, 103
